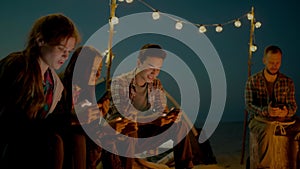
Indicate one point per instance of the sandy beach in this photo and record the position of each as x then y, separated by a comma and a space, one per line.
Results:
226, 143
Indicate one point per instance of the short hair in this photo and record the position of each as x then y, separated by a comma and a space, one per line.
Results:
272, 49
151, 50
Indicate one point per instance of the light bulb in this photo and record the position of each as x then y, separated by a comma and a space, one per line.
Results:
105, 52
258, 24
129, 1
121, 0
114, 20
253, 48
219, 28
155, 15
249, 16
107, 58
202, 29
237, 23
178, 25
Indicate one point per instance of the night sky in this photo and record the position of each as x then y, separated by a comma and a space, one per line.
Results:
280, 24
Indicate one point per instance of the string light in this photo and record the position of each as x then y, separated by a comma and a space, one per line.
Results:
129, 1
237, 23
249, 16
257, 25
178, 25
253, 48
155, 15
114, 20
219, 28
105, 53
202, 29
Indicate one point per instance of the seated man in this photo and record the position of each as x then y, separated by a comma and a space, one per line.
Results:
270, 96
138, 96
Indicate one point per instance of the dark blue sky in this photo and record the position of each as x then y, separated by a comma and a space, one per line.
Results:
280, 24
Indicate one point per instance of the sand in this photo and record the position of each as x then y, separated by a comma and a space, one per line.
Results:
226, 143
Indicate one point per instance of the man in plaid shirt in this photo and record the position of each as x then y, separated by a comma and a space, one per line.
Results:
270, 97
139, 96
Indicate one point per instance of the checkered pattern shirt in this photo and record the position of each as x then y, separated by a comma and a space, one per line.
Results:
122, 91
257, 97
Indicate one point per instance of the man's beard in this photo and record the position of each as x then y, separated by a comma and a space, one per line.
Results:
269, 72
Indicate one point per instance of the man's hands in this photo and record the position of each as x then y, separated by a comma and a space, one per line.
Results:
174, 115
124, 126
280, 112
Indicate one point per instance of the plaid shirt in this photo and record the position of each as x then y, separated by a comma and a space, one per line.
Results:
257, 97
123, 91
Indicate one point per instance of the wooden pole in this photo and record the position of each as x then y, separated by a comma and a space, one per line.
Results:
113, 6
249, 74
251, 42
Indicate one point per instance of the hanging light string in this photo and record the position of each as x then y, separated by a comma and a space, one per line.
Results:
147, 5
202, 28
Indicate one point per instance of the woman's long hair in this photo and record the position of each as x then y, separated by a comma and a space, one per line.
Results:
52, 29
78, 71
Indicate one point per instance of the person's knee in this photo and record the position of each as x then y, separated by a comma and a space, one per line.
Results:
79, 139
57, 144
57, 139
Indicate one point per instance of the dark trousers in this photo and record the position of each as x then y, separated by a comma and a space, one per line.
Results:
81, 152
178, 132
34, 152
